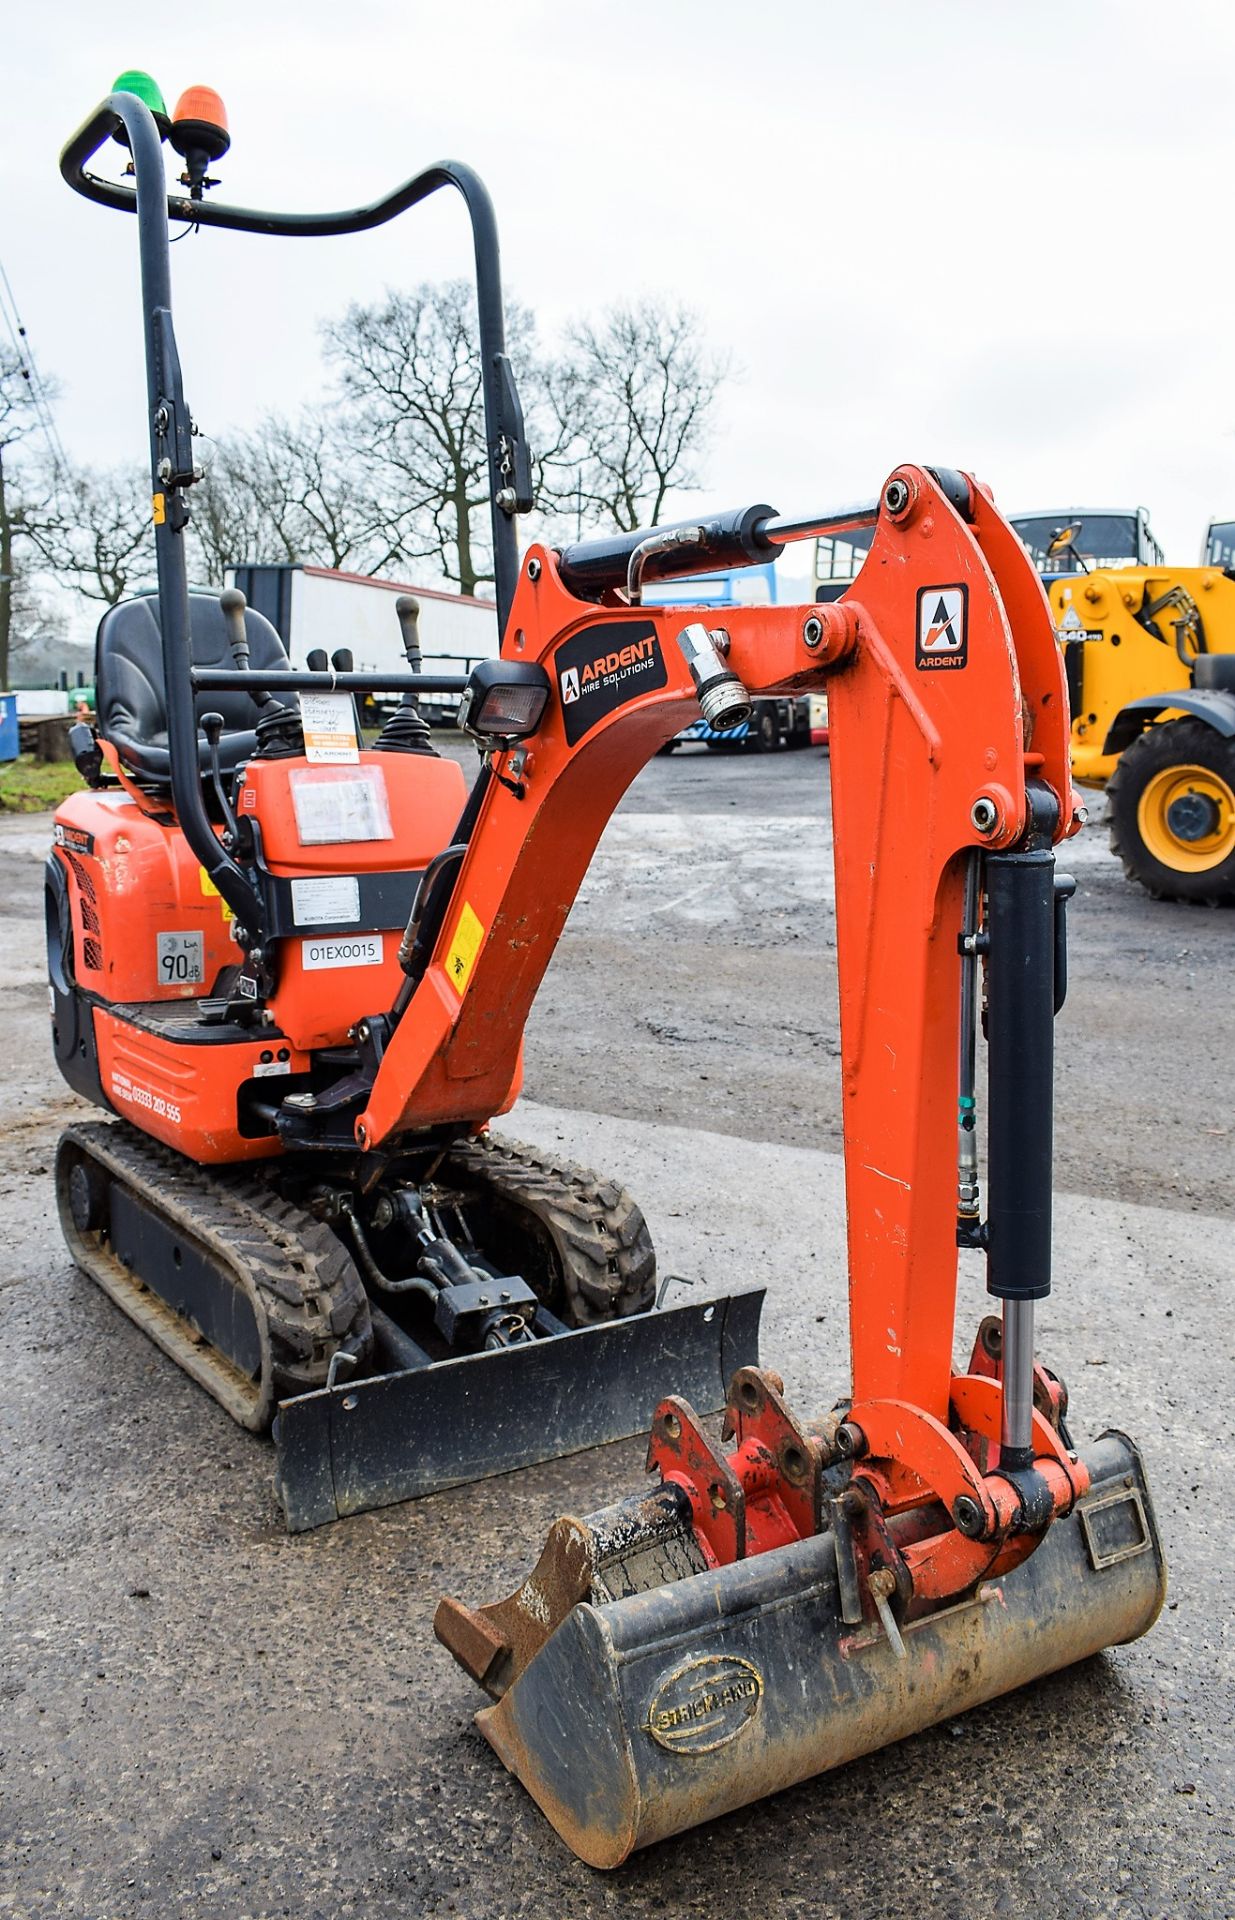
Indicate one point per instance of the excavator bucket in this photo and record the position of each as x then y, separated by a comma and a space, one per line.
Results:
639, 1692
355, 1445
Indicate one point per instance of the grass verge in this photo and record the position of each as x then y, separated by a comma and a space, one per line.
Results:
28, 785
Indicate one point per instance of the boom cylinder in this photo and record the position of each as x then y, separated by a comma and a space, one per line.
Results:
734, 539
1020, 1025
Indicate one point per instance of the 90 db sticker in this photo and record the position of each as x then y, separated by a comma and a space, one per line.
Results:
181, 959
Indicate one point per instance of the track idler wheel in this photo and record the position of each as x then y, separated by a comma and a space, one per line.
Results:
251, 1296
87, 1196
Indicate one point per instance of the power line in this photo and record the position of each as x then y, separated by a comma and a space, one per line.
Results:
28, 367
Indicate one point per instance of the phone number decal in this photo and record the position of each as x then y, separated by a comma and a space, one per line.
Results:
137, 1096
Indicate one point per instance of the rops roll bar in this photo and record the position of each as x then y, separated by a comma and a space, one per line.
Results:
171, 426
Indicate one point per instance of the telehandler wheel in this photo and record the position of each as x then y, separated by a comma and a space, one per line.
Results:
1172, 801
578, 1239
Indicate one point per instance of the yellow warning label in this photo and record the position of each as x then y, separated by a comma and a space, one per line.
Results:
159, 508
463, 949
208, 887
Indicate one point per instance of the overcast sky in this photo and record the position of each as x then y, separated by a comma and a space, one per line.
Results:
990, 236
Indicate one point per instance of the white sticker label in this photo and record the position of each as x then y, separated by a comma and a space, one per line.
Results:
360, 950
329, 721
181, 959
333, 805
326, 902
265, 1069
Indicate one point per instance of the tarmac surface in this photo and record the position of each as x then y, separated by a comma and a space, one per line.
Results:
200, 1715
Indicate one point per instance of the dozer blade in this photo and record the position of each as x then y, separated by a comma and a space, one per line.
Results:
371, 1443
644, 1715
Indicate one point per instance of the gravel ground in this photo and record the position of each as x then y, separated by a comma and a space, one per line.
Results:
202, 1715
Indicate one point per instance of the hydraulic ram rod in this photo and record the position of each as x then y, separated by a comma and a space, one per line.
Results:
1020, 1025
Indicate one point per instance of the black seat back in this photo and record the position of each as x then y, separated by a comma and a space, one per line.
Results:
129, 690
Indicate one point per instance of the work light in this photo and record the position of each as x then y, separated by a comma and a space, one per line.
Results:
504, 700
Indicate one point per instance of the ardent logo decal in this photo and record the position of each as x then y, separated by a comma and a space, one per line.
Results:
705, 1704
72, 839
943, 628
603, 667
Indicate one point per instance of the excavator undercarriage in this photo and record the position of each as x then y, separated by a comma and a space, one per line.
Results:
354, 1322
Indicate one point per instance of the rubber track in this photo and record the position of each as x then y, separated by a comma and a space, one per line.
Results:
301, 1276
601, 1238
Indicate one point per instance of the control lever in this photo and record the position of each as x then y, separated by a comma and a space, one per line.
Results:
407, 731
408, 611
234, 606
212, 727
87, 753
278, 725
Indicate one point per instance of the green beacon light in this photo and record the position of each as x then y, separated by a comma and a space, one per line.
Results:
133, 80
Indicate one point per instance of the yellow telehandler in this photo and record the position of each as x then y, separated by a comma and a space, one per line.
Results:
1149, 651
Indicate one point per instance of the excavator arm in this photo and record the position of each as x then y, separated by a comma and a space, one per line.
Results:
818, 1589
946, 703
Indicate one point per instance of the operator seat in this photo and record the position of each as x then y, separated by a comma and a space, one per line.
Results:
129, 686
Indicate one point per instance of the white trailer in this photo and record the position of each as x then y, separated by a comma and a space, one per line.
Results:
321, 607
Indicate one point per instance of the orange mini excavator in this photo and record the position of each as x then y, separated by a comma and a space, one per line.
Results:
297, 970
323, 1195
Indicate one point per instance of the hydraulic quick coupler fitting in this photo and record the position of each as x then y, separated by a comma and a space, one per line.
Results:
723, 700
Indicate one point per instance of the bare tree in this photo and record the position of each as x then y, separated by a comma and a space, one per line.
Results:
395, 468
411, 369
35, 628
23, 498
632, 397
229, 522
292, 491
94, 531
